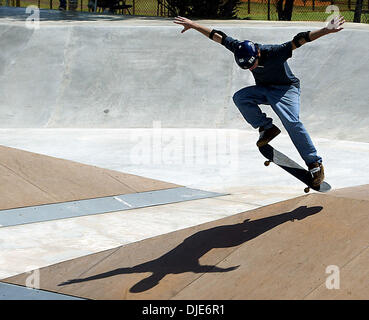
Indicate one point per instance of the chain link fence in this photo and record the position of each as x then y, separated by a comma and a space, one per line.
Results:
303, 10
134, 7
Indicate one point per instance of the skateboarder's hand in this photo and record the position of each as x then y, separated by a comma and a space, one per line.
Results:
335, 24
186, 23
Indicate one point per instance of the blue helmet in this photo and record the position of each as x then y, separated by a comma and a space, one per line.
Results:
246, 54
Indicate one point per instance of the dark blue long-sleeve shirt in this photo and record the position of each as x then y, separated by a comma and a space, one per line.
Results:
273, 68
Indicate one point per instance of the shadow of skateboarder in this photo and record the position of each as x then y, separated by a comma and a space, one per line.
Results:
185, 257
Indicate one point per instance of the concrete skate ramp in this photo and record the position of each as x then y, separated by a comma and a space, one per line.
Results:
30, 179
129, 73
287, 250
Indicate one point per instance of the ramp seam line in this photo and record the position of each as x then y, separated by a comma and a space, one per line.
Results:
93, 266
25, 179
342, 267
97, 263
126, 185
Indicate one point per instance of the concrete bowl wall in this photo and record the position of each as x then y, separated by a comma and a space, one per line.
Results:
119, 75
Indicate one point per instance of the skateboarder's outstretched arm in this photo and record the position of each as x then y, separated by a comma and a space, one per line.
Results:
217, 36
303, 37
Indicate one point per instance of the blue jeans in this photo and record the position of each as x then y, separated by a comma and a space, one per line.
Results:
285, 101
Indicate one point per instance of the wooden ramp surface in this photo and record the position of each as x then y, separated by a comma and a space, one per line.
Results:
280, 251
30, 179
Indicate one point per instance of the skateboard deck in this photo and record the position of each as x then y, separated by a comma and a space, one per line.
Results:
291, 167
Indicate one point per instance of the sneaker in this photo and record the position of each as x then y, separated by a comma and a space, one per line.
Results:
316, 170
267, 135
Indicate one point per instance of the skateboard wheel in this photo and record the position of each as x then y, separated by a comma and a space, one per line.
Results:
266, 163
306, 190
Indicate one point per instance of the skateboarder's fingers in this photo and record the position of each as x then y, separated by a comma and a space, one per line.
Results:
340, 20
180, 19
183, 18
183, 22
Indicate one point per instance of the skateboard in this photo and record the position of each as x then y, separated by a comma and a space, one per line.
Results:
281, 160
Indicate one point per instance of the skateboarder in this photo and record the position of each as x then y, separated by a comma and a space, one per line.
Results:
276, 86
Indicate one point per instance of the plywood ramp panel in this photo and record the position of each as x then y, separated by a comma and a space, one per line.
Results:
358, 192
290, 261
29, 179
